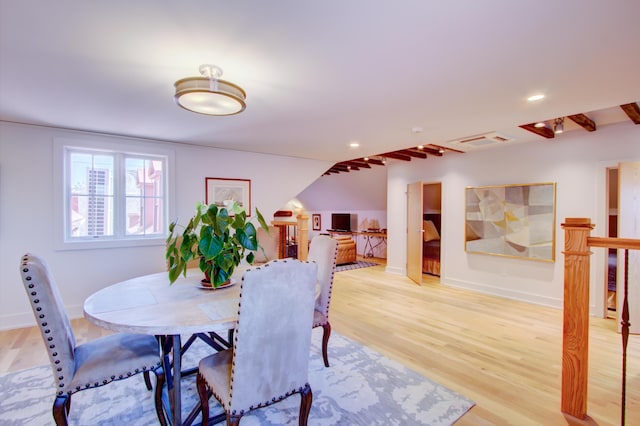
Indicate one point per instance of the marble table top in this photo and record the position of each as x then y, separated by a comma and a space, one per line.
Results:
150, 305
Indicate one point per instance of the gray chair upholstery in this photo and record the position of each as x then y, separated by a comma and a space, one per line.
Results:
269, 359
324, 252
90, 365
269, 245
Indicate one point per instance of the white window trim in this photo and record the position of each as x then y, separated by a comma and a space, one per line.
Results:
108, 145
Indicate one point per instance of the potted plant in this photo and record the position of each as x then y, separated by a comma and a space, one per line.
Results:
218, 236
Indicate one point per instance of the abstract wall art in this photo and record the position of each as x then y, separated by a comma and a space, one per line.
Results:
511, 220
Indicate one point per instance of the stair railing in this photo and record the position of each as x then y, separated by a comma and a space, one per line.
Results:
575, 334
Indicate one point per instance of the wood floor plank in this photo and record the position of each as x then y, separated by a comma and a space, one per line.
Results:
503, 354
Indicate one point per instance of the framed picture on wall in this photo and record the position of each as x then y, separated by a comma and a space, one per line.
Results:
221, 190
316, 222
511, 220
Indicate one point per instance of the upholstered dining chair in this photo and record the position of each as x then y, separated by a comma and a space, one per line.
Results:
269, 358
324, 251
89, 365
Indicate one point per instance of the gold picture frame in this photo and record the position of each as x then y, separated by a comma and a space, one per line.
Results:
515, 220
221, 190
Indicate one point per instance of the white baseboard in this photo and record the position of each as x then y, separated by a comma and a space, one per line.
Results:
503, 292
397, 271
26, 319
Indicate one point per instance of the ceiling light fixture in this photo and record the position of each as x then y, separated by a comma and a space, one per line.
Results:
420, 147
558, 125
539, 125
441, 150
534, 98
208, 94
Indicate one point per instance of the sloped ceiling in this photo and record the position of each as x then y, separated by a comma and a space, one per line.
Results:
545, 129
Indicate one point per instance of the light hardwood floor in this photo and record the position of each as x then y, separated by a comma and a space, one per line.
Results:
504, 355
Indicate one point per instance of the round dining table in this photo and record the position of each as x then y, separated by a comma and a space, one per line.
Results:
149, 304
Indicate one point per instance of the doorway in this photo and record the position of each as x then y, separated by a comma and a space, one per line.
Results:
628, 227
424, 226
612, 231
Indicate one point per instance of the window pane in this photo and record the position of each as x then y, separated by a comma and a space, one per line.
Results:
91, 195
144, 213
91, 216
134, 169
144, 216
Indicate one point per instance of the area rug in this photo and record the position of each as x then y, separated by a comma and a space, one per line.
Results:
359, 264
361, 387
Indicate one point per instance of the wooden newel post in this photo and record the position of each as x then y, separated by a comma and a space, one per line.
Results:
575, 335
303, 236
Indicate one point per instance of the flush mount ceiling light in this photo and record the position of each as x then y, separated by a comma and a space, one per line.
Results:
208, 94
558, 125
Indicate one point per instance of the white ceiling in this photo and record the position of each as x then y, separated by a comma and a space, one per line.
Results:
319, 75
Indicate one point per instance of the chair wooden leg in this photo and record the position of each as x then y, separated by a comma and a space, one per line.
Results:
325, 342
305, 405
60, 409
233, 420
203, 394
147, 380
159, 372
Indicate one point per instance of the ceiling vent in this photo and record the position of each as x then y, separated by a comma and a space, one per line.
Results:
478, 141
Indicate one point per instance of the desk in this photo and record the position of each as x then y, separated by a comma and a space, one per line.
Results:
149, 305
369, 246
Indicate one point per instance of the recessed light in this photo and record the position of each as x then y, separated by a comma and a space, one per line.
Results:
420, 146
534, 98
539, 124
354, 144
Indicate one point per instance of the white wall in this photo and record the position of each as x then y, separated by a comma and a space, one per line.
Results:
364, 189
575, 160
26, 210
363, 192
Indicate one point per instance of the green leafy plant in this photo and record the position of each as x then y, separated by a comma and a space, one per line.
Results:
220, 237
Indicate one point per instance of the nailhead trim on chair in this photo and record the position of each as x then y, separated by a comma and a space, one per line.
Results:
54, 354
233, 364
326, 314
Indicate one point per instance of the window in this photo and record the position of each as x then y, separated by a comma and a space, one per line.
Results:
113, 195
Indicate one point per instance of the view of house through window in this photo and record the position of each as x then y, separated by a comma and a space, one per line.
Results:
113, 195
